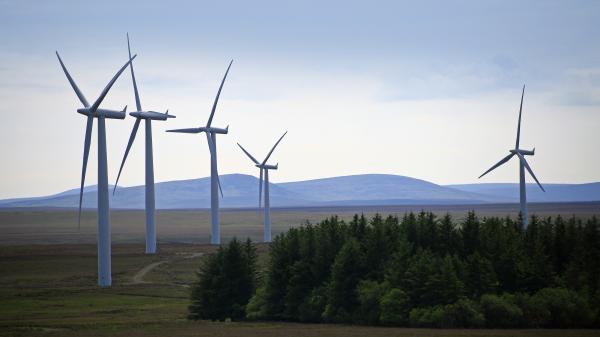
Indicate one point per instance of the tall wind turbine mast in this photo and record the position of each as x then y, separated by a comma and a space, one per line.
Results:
93, 111
264, 167
147, 117
520, 153
215, 184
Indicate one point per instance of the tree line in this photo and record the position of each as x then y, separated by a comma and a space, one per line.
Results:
417, 270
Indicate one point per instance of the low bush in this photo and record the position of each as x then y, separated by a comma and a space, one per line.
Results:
501, 311
464, 313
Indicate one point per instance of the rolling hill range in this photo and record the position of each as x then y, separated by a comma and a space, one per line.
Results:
241, 191
554, 192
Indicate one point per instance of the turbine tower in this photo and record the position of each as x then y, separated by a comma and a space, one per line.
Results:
93, 111
520, 153
215, 183
147, 116
265, 167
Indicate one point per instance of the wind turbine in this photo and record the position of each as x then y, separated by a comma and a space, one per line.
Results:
522, 166
265, 167
215, 183
147, 116
93, 111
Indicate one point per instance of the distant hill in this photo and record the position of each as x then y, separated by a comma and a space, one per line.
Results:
373, 188
241, 191
554, 192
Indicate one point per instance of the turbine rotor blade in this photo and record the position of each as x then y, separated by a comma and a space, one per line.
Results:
219, 182
519, 125
260, 186
213, 150
248, 154
135, 89
212, 112
272, 149
210, 143
188, 130
502, 161
131, 138
109, 85
73, 84
522, 158
86, 153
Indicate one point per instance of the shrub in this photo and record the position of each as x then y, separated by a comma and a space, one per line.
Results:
560, 308
257, 306
463, 313
395, 306
422, 317
500, 312
370, 294
311, 310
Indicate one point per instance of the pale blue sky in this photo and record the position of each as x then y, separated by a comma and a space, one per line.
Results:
428, 90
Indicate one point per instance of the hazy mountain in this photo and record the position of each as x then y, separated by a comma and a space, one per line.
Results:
241, 191
380, 187
554, 192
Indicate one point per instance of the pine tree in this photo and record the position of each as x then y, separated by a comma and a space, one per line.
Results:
481, 277
448, 236
420, 275
346, 272
591, 246
470, 234
560, 246
226, 282
409, 226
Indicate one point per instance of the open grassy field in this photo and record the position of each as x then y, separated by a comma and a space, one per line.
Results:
48, 275
58, 226
49, 290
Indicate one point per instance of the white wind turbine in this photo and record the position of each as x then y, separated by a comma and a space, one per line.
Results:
215, 183
93, 111
522, 166
147, 117
265, 167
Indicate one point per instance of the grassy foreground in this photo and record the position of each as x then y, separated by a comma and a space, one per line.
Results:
49, 290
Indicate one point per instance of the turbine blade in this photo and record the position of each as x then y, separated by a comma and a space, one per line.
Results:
522, 158
73, 84
131, 138
188, 130
260, 186
212, 149
109, 85
220, 189
210, 143
519, 125
86, 153
135, 89
212, 113
504, 160
274, 146
248, 154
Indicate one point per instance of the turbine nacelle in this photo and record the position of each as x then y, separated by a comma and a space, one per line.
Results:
153, 115
268, 167
210, 129
113, 114
523, 152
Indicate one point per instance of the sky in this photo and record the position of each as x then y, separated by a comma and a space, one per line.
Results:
427, 89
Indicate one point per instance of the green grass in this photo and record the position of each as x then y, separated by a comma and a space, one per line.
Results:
25, 227
50, 289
